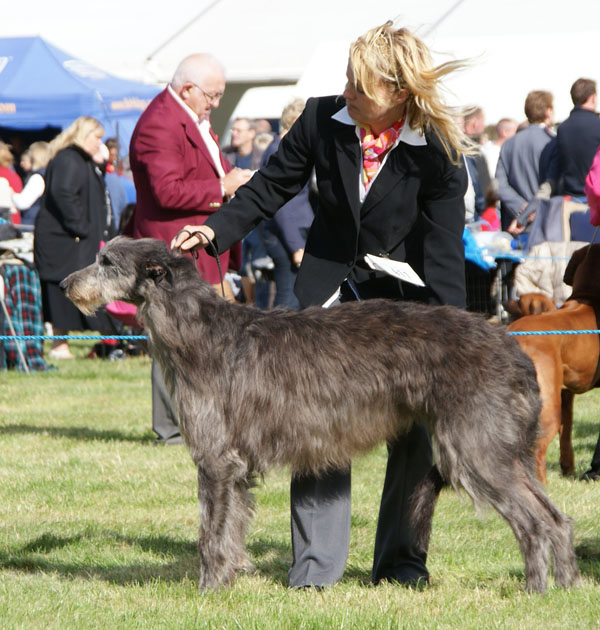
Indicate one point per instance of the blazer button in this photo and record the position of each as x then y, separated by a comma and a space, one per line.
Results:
77, 239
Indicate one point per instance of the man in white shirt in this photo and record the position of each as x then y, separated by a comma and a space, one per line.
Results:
505, 129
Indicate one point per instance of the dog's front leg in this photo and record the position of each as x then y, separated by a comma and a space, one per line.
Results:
236, 525
219, 559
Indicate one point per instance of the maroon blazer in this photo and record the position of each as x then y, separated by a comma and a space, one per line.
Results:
175, 178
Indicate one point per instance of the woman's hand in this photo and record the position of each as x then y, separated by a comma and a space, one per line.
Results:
190, 238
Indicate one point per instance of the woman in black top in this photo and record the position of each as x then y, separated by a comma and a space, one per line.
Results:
74, 218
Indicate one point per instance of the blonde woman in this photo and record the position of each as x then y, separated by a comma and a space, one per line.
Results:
387, 156
72, 220
28, 201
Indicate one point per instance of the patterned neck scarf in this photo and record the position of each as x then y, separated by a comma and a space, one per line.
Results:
375, 149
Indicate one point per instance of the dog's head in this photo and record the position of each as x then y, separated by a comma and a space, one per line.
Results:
128, 270
583, 273
530, 304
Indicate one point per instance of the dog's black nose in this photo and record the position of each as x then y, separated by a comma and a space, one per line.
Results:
63, 284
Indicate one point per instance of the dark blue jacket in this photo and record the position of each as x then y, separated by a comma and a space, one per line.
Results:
578, 138
292, 222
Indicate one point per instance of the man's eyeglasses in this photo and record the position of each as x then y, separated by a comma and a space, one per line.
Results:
211, 98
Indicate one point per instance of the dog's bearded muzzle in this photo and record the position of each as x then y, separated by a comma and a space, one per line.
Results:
84, 289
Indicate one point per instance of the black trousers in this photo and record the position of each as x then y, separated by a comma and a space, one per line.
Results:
595, 465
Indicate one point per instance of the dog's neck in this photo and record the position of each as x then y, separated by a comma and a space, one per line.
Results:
584, 297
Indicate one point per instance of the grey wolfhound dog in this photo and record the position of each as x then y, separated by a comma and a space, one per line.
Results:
311, 389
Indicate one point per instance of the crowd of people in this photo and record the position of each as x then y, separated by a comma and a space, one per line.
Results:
387, 168
514, 165
534, 159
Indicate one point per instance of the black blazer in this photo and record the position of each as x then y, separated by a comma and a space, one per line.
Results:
413, 212
73, 215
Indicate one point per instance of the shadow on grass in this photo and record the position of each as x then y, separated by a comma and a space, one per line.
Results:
586, 429
271, 558
173, 560
181, 558
77, 433
177, 560
588, 559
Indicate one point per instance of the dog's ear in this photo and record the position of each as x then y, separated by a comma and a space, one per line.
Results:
159, 271
574, 262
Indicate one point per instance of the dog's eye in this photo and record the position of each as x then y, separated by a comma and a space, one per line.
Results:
105, 261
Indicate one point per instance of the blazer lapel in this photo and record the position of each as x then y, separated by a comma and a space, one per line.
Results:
193, 135
393, 172
349, 163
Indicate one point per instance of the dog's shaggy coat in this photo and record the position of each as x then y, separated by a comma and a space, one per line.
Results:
312, 389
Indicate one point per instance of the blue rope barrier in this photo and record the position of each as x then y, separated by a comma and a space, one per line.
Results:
527, 257
67, 337
554, 332
144, 337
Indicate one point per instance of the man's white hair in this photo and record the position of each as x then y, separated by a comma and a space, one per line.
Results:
195, 68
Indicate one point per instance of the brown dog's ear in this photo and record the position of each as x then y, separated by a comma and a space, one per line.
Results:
576, 258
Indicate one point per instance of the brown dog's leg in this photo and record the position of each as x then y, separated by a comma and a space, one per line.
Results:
567, 457
550, 381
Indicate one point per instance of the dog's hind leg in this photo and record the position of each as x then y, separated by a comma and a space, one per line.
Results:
560, 533
550, 382
538, 526
567, 457
422, 505
520, 510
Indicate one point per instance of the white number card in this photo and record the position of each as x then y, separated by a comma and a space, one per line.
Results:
400, 270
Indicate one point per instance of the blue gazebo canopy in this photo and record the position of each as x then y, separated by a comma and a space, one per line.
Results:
42, 86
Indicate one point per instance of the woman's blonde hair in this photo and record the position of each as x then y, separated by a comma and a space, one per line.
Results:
76, 133
397, 59
290, 113
39, 154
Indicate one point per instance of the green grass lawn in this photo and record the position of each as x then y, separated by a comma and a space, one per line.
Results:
98, 528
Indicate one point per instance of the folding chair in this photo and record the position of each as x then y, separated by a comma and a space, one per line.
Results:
11, 327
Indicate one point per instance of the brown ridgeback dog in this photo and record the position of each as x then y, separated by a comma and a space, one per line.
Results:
530, 304
565, 364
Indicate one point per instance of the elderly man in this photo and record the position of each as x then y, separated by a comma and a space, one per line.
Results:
180, 177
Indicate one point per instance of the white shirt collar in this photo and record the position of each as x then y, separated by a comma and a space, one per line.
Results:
190, 112
410, 136
204, 129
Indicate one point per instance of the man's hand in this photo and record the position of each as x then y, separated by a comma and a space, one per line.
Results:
186, 240
515, 228
234, 179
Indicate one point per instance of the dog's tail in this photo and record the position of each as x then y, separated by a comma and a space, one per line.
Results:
422, 505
